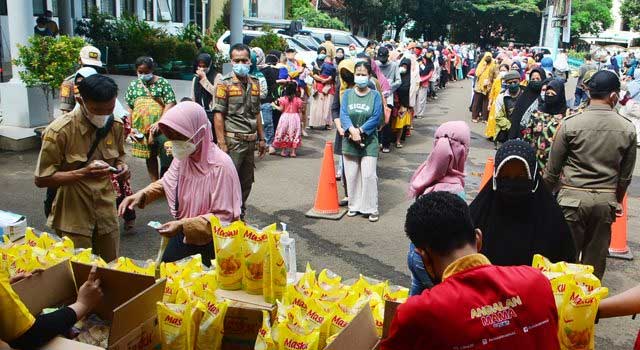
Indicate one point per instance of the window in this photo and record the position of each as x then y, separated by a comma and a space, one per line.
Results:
341, 40
108, 7
39, 6
127, 7
177, 13
3, 7
164, 11
148, 10
87, 6
253, 8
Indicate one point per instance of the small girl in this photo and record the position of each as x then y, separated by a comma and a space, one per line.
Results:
288, 131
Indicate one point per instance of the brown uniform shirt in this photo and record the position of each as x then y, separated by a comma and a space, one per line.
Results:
239, 103
595, 149
68, 93
331, 49
88, 205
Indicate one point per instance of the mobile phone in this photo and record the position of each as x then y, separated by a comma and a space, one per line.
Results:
154, 224
113, 169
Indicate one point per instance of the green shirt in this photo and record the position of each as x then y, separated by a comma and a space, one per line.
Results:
160, 90
363, 112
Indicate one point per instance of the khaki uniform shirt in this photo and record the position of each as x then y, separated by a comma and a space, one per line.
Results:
595, 149
331, 49
239, 103
88, 205
68, 92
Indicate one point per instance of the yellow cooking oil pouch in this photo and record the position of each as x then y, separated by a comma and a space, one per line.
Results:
275, 272
328, 280
264, 341
369, 286
228, 246
85, 256
396, 294
211, 327
177, 329
346, 310
171, 288
203, 282
319, 318
295, 338
543, 264
254, 249
378, 317
140, 267
559, 283
576, 326
186, 265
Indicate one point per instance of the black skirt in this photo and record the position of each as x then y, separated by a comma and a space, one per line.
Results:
177, 249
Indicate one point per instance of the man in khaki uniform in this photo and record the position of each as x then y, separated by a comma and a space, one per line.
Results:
71, 160
595, 151
89, 57
237, 118
328, 44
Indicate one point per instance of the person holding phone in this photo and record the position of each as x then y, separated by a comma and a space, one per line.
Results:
77, 152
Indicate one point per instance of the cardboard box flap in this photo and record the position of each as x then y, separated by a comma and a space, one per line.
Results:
245, 298
360, 334
60, 343
118, 287
390, 309
136, 311
52, 287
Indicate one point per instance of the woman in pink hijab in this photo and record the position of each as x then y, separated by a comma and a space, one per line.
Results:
444, 169
202, 181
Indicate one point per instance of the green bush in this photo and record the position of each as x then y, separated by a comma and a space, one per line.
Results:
47, 61
576, 55
190, 32
269, 42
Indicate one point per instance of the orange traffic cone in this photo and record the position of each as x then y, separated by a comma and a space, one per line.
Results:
618, 247
488, 173
326, 205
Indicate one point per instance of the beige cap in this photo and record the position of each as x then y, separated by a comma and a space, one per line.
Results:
90, 56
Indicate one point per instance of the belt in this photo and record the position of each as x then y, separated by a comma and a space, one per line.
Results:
592, 190
242, 137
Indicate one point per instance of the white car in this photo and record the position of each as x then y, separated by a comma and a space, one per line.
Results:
307, 55
340, 38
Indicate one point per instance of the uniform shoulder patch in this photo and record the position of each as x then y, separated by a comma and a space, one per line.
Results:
235, 90
221, 91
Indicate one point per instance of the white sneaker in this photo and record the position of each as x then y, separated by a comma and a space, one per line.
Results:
352, 213
374, 217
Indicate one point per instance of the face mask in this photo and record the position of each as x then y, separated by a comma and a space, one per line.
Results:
384, 60
514, 88
241, 69
514, 191
361, 81
535, 85
353, 52
322, 56
552, 100
339, 56
146, 77
543, 96
99, 121
182, 149
502, 74
403, 70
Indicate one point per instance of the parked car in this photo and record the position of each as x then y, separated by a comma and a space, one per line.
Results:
341, 39
546, 51
304, 53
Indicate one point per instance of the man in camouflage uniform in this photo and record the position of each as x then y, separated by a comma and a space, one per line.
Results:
237, 120
89, 57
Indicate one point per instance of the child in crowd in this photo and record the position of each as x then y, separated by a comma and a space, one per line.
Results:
289, 130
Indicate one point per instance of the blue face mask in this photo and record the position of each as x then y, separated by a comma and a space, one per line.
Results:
322, 56
146, 77
241, 69
361, 81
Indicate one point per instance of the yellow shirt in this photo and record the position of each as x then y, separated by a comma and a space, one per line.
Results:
15, 318
465, 263
88, 205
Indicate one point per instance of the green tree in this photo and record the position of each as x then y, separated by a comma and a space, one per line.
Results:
364, 12
590, 16
397, 13
268, 42
302, 9
47, 61
630, 12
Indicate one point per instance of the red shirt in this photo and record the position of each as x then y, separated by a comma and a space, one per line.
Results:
481, 307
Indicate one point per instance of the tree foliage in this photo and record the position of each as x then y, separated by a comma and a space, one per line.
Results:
269, 42
630, 12
302, 9
47, 61
590, 16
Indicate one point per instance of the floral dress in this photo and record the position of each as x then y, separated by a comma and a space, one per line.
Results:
540, 132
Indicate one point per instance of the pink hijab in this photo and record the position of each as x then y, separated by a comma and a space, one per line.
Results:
206, 182
444, 169
384, 83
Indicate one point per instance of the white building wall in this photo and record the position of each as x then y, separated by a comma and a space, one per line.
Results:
271, 9
615, 13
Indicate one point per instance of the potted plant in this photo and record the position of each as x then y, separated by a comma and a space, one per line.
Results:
47, 61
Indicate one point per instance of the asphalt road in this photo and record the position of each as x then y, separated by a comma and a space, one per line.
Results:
285, 190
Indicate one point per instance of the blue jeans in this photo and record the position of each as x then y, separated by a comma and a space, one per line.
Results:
267, 122
420, 279
580, 96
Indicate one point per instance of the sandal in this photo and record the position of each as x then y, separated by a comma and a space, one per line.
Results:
399, 145
284, 154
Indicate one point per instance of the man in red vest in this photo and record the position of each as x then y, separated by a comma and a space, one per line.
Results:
476, 305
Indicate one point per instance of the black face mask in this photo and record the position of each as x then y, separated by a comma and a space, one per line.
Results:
384, 60
514, 191
552, 100
536, 86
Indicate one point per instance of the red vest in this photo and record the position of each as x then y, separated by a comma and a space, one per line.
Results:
485, 307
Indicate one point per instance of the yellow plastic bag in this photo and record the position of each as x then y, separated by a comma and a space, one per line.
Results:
576, 326
177, 329
181, 267
294, 338
147, 268
210, 329
203, 282
228, 245
328, 280
255, 247
396, 294
369, 286
543, 264
85, 256
171, 290
264, 340
319, 318
275, 273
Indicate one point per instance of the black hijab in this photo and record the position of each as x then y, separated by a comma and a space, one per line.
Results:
202, 96
428, 67
555, 104
523, 103
520, 218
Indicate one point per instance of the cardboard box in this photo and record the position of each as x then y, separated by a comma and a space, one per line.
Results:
243, 318
360, 334
129, 303
12, 225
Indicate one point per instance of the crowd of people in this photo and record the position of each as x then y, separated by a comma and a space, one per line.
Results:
569, 163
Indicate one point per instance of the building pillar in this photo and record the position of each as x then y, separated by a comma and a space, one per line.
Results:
20, 20
236, 21
65, 17
186, 14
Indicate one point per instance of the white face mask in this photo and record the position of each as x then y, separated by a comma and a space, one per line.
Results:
502, 74
403, 70
99, 121
181, 150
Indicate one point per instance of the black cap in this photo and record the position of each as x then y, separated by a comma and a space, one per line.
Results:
383, 52
290, 50
604, 82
